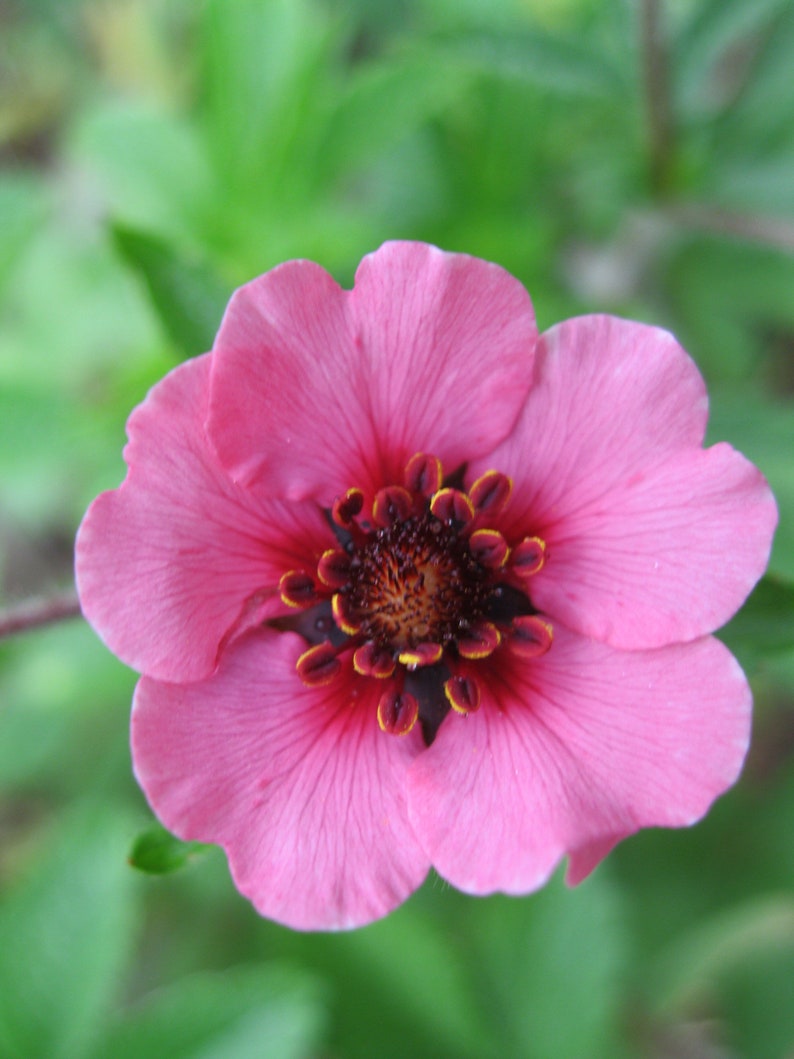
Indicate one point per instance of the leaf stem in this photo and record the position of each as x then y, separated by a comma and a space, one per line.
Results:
657, 95
755, 228
33, 613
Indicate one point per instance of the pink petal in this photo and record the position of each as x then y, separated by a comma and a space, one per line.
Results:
666, 557
299, 785
179, 558
316, 389
573, 751
651, 539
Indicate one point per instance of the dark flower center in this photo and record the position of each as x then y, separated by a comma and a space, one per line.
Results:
416, 581
421, 589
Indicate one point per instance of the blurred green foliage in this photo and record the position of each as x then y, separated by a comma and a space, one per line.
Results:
156, 153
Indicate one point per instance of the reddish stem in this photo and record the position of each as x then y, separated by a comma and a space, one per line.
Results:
33, 613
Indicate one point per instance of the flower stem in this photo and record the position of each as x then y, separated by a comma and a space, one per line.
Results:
657, 96
33, 613
755, 228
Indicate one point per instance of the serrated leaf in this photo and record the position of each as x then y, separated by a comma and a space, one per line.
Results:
158, 852
190, 299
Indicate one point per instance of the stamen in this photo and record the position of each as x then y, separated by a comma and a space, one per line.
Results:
398, 712
530, 636
371, 660
489, 548
418, 585
391, 505
451, 506
491, 492
528, 557
344, 615
424, 474
297, 589
345, 508
319, 665
424, 654
333, 569
480, 641
463, 694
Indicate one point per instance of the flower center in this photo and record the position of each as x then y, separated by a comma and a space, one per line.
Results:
416, 581
422, 587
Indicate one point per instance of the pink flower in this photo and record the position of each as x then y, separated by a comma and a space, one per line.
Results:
410, 585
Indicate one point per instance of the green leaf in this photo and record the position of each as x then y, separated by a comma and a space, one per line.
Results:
241, 1013
22, 208
692, 963
763, 432
158, 852
763, 626
762, 114
96, 318
739, 964
409, 989
151, 168
57, 685
382, 104
65, 937
550, 970
747, 148
264, 62
755, 182
717, 32
188, 296
565, 66
729, 298
755, 1001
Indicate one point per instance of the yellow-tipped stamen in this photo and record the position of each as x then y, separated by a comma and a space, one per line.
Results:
424, 474
528, 557
463, 694
398, 712
297, 589
530, 636
451, 505
424, 654
342, 617
480, 642
491, 492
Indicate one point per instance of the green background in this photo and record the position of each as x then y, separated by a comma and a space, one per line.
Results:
157, 154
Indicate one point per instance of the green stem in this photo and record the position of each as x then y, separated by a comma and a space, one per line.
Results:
657, 96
